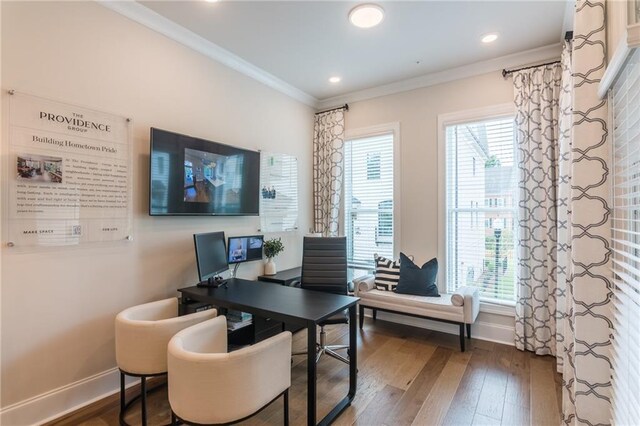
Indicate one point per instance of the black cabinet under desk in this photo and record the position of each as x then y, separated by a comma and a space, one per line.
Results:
259, 329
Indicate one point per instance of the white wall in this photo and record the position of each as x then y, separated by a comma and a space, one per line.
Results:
616, 24
417, 112
58, 307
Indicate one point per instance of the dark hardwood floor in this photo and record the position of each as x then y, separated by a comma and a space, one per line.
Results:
407, 376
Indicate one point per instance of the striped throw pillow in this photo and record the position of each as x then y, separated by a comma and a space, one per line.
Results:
387, 273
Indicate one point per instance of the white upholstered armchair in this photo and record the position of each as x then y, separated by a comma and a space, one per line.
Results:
142, 335
207, 385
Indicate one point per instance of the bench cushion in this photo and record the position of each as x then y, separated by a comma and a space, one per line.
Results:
434, 307
461, 306
443, 302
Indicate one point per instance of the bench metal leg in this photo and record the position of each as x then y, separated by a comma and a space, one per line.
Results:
286, 408
375, 314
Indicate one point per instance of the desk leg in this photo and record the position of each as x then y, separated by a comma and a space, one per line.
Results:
353, 353
311, 374
353, 372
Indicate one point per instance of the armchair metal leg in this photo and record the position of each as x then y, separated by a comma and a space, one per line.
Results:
174, 419
361, 316
141, 397
374, 314
143, 393
461, 337
122, 394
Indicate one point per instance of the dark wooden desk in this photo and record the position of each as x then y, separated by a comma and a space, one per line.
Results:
290, 305
286, 277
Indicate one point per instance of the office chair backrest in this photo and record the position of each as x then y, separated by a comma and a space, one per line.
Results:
324, 264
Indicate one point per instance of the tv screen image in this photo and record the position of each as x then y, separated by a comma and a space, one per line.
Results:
210, 254
245, 249
192, 176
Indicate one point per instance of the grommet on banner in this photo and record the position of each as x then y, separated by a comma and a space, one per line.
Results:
10, 244
11, 92
129, 238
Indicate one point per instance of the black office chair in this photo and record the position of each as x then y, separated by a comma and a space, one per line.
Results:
324, 268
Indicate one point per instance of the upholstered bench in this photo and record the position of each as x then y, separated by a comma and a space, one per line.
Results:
460, 308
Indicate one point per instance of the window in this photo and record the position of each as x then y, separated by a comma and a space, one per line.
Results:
373, 166
369, 198
625, 233
481, 256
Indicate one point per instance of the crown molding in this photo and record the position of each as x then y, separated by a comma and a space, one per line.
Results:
153, 20
156, 22
509, 61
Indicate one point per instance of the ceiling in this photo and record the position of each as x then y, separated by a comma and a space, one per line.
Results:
303, 43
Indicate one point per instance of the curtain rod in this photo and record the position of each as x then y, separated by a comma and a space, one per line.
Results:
568, 36
345, 107
506, 72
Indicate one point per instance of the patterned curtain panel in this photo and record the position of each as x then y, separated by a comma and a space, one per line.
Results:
587, 371
328, 143
537, 93
563, 248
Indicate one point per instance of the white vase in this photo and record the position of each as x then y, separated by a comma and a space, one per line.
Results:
270, 267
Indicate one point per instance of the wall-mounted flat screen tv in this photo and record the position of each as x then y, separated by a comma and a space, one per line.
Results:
192, 176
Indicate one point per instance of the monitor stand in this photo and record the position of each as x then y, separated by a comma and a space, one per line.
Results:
213, 282
235, 270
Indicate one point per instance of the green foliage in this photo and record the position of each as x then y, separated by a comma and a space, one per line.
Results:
273, 247
492, 161
490, 243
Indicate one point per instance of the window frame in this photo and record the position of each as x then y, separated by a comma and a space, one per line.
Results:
376, 130
494, 306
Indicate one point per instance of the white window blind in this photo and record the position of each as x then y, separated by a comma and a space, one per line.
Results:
481, 188
626, 244
368, 206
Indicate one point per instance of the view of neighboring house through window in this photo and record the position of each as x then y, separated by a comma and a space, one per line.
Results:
481, 189
368, 210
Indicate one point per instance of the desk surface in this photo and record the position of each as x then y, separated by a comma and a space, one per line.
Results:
283, 276
269, 300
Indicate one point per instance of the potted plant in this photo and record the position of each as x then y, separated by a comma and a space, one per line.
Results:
272, 248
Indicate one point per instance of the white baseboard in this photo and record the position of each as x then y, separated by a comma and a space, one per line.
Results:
65, 399
491, 332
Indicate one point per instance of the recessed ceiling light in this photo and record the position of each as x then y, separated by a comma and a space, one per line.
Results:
489, 38
366, 15
211, 1
334, 80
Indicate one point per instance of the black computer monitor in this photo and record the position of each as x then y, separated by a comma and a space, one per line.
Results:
245, 249
211, 254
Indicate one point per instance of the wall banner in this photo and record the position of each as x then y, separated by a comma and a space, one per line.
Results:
279, 192
69, 174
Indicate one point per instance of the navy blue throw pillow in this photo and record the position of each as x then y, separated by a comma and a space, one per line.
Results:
416, 280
